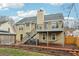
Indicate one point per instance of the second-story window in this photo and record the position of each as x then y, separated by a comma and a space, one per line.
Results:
61, 24
8, 29
20, 28
46, 25
54, 25
27, 24
39, 27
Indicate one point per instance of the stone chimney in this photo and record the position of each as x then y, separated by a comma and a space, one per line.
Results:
40, 17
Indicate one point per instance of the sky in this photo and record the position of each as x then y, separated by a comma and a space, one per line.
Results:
18, 11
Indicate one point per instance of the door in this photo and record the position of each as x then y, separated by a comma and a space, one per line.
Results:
21, 37
44, 36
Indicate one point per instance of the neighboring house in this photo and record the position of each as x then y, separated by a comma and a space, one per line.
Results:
7, 38
75, 33
7, 32
42, 28
6, 25
68, 31
71, 23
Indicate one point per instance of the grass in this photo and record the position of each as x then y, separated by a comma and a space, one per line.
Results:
18, 52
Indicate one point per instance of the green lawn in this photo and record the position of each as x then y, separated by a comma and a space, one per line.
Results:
18, 52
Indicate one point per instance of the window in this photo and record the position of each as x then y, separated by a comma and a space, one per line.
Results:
46, 25
21, 37
53, 36
27, 24
39, 27
8, 29
44, 36
61, 24
54, 24
20, 28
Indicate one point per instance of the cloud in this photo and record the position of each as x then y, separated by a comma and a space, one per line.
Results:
27, 13
21, 14
56, 4
69, 18
15, 5
11, 5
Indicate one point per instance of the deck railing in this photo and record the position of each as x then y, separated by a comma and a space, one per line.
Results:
44, 27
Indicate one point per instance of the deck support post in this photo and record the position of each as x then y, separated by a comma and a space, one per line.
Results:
47, 39
63, 40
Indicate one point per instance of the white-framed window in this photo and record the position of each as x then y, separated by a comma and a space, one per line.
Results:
8, 29
20, 28
54, 24
46, 25
53, 36
61, 24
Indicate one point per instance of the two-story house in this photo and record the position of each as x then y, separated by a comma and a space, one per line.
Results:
45, 28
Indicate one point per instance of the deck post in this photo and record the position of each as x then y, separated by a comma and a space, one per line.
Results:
47, 39
63, 40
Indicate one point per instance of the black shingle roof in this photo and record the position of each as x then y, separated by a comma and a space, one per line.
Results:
5, 32
46, 17
27, 19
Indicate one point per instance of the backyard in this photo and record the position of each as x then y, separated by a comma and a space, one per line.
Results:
18, 52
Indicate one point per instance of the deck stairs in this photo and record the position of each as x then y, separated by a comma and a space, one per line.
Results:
29, 37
